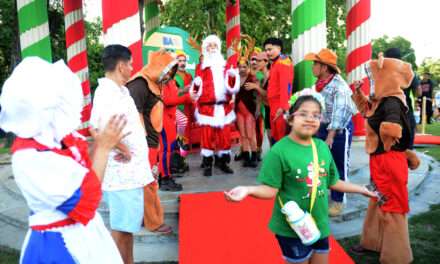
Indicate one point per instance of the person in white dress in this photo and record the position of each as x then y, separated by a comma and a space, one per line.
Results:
41, 104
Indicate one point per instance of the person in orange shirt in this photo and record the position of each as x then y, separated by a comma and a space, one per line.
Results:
279, 87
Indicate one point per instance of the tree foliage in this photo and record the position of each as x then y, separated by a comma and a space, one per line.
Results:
384, 43
10, 45
432, 66
259, 19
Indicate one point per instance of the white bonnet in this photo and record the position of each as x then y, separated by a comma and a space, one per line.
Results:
41, 100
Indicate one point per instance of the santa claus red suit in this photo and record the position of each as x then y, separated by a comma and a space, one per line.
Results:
213, 87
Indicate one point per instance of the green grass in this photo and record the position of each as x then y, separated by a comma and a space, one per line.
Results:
424, 232
8, 256
424, 229
433, 129
434, 151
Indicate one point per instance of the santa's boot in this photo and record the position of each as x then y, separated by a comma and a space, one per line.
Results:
223, 164
253, 160
246, 158
207, 166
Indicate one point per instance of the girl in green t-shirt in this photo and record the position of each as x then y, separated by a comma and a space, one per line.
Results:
287, 174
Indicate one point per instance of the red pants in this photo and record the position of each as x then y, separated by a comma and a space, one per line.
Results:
214, 138
167, 146
389, 171
278, 127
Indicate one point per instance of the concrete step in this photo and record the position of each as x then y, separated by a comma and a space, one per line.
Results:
153, 247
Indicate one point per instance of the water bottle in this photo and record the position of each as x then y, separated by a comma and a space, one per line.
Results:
302, 223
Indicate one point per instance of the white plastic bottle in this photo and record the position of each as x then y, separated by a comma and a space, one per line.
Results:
301, 222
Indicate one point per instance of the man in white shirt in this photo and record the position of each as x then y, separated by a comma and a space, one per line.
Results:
128, 169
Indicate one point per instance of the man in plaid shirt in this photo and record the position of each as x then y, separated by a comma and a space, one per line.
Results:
336, 126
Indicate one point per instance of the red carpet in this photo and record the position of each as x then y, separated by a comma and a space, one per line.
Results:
427, 140
215, 231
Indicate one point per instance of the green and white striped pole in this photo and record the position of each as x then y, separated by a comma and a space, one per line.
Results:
34, 29
151, 17
309, 34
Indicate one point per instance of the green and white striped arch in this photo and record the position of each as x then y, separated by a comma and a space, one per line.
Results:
309, 34
34, 29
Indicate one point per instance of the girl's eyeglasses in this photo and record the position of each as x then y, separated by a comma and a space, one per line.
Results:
303, 115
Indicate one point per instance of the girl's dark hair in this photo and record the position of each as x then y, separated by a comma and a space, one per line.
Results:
301, 100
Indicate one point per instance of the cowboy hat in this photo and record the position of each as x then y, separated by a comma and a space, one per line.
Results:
324, 56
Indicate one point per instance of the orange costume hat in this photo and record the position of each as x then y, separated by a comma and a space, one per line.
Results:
159, 64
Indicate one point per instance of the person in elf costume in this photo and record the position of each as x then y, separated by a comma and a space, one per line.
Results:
385, 227
246, 106
146, 87
213, 87
168, 135
184, 112
41, 104
279, 87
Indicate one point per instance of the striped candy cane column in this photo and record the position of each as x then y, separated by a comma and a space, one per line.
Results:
151, 17
359, 49
232, 28
77, 55
121, 25
34, 29
309, 34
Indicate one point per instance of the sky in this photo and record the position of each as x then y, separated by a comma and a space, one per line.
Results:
417, 21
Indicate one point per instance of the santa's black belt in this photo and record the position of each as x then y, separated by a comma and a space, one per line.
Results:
214, 103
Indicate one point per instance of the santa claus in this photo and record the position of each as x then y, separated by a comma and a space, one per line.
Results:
215, 83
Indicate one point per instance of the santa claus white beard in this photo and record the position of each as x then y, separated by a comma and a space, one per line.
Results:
216, 63
213, 60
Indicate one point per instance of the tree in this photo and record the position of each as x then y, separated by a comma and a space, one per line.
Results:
432, 66
384, 43
94, 51
9, 45
259, 19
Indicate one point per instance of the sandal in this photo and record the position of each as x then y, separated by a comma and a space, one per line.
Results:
360, 250
164, 229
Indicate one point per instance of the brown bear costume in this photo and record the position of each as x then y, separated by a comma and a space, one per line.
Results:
386, 228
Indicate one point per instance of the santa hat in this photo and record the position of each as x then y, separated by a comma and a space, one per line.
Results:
211, 39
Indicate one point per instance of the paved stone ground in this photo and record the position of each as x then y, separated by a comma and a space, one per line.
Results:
423, 185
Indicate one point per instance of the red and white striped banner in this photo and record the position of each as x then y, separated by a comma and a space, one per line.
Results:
77, 55
121, 25
359, 49
232, 28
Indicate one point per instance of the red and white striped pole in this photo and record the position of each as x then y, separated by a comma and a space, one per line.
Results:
121, 25
77, 55
359, 50
232, 28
